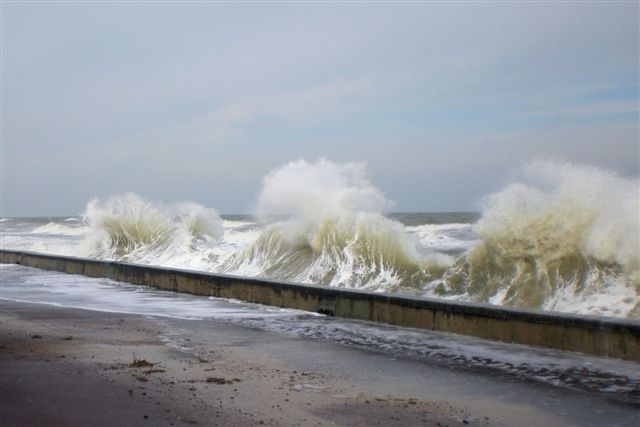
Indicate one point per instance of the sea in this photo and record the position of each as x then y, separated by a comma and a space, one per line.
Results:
560, 237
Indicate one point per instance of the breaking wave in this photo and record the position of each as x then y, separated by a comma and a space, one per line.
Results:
360, 250
563, 238
128, 228
335, 234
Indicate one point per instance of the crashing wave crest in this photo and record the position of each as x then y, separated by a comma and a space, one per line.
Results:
361, 251
128, 228
562, 238
566, 233
336, 234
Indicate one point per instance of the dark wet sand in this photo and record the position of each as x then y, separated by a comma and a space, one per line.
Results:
68, 367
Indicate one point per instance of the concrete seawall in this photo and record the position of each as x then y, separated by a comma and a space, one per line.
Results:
618, 338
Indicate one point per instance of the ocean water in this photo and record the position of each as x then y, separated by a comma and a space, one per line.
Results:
560, 237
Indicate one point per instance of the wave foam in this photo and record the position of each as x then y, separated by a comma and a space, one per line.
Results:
563, 230
336, 234
562, 237
129, 228
60, 229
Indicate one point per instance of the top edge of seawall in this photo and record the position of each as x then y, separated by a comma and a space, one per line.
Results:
446, 306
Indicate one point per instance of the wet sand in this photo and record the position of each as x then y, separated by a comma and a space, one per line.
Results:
69, 367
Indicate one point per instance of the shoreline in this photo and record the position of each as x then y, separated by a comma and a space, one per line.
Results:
80, 367
598, 336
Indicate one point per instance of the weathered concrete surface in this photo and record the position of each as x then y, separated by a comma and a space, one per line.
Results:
617, 338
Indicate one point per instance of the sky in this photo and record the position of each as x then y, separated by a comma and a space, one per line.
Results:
443, 101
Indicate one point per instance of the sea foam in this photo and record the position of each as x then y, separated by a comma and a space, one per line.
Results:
562, 237
335, 234
129, 228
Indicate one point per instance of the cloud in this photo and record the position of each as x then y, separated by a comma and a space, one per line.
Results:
602, 108
204, 98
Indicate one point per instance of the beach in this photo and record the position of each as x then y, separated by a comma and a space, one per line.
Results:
320, 213
62, 366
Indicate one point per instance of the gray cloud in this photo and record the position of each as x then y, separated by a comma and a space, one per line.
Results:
198, 101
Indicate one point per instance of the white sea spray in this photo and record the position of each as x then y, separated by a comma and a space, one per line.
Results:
335, 234
129, 228
560, 237
563, 237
